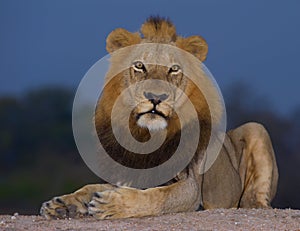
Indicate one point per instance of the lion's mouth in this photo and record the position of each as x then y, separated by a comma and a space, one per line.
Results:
152, 112
152, 119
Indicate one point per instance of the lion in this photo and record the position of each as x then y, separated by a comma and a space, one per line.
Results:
244, 174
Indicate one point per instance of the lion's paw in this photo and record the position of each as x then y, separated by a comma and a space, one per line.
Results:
113, 204
63, 207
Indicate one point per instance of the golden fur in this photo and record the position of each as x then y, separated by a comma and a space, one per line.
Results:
245, 172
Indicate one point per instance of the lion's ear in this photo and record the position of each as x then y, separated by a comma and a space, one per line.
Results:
120, 38
196, 45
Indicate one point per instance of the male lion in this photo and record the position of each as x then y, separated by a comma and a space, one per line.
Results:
244, 175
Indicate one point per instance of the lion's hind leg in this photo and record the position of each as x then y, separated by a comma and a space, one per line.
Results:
258, 168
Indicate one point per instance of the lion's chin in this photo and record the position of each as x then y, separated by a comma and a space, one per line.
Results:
152, 122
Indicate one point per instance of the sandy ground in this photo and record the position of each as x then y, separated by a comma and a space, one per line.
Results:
220, 219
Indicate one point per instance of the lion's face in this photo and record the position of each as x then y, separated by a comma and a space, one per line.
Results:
154, 93
153, 69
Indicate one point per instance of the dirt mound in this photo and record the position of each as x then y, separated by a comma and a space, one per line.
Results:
219, 219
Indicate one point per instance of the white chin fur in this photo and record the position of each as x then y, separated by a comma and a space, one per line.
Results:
154, 124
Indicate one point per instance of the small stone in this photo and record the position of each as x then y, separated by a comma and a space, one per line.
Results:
16, 214
13, 217
2, 223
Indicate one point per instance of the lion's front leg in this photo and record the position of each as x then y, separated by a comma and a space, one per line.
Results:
73, 204
123, 202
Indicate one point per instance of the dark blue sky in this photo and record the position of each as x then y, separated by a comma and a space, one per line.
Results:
57, 41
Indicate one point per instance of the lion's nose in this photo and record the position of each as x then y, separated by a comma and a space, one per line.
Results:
155, 99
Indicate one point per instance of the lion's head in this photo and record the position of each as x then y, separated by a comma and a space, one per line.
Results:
152, 76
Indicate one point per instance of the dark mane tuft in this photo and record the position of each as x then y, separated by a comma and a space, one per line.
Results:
159, 29
157, 21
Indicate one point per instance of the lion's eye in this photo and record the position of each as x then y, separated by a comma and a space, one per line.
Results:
139, 66
174, 69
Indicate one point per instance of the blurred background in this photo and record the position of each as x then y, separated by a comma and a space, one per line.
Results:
46, 47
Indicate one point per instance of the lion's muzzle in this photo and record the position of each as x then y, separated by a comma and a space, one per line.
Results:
154, 113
